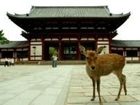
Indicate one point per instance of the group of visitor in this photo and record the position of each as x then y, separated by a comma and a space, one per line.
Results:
8, 62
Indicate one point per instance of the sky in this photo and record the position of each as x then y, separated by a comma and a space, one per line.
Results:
128, 31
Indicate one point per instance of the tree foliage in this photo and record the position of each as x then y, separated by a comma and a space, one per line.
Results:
3, 40
52, 51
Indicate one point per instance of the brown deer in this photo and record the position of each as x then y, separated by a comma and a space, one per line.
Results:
101, 65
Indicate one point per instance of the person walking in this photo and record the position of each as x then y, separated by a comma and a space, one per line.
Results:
54, 61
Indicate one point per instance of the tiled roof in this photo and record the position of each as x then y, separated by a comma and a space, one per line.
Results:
125, 43
15, 44
69, 11
40, 17
115, 43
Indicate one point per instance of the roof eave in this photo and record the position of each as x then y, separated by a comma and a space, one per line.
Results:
26, 16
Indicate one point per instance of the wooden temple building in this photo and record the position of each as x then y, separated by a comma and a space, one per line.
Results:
65, 28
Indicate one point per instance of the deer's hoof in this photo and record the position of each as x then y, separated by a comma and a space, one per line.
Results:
92, 99
116, 99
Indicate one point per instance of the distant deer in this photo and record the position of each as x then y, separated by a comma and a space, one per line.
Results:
101, 65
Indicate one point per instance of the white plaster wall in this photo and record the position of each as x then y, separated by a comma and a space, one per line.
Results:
103, 43
37, 50
132, 58
36, 58
36, 43
135, 58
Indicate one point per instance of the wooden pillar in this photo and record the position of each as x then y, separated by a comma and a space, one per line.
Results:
124, 52
139, 53
0, 55
78, 50
43, 45
14, 53
60, 51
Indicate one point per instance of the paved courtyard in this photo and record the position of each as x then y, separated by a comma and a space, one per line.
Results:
64, 85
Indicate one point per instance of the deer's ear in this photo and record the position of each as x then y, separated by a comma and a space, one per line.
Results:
100, 49
82, 50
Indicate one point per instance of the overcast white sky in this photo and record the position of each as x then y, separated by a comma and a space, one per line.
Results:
128, 31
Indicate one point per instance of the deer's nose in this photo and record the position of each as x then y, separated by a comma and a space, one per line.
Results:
93, 67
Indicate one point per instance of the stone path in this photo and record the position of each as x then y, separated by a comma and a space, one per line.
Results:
64, 85
80, 89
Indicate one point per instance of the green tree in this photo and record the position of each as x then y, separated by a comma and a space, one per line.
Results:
3, 40
52, 51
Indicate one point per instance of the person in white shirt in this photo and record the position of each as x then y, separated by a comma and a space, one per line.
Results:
54, 61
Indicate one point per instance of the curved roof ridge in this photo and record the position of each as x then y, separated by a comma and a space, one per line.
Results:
101, 6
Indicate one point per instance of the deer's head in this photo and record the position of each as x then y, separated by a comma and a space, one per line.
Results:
91, 56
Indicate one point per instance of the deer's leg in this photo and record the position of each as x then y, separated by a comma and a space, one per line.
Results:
93, 83
124, 83
98, 89
121, 79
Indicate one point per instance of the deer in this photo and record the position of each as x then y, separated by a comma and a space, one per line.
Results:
101, 65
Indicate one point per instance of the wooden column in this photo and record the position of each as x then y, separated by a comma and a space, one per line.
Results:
60, 51
43, 45
139, 53
0, 55
78, 50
